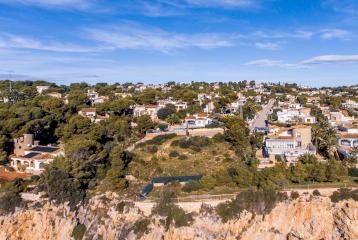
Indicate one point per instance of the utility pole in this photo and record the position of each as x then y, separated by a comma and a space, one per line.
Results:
10, 77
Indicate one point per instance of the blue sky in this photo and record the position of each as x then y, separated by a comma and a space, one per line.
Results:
310, 42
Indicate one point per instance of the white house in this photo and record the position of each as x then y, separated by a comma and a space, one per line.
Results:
95, 98
197, 120
337, 118
289, 143
55, 95
347, 138
295, 115
31, 157
151, 110
88, 112
92, 114
178, 105
41, 89
350, 104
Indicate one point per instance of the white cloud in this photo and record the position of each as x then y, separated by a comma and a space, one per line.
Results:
15, 41
298, 34
133, 36
274, 63
267, 45
75, 4
344, 6
332, 59
222, 3
324, 59
335, 33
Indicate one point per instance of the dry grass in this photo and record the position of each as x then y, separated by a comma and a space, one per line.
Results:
211, 158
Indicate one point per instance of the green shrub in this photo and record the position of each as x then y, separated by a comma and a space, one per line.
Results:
191, 186
183, 157
195, 148
160, 139
344, 194
61, 187
257, 202
120, 207
172, 213
219, 137
173, 154
141, 227
208, 182
10, 196
35, 178
197, 141
79, 231
294, 195
316, 193
152, 149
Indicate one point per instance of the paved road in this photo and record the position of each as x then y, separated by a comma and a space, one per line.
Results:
260, 120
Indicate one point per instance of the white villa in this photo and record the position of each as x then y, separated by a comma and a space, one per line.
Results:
178, 105
289, 143
95, 98
199, 120
295, 115
350, 104
151, 110
347, 138
41, 89
31, 157
337, 118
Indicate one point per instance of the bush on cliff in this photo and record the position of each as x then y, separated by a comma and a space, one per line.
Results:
260, 201
172, 213
344, 194
10, 196
61, 187
79, 231
140, 227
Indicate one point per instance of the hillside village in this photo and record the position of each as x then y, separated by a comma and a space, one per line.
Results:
288, 130
197, 139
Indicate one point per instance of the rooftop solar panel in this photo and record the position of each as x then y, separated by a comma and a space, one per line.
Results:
31, 154
44, 149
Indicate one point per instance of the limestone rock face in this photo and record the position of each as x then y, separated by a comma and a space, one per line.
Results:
315, 218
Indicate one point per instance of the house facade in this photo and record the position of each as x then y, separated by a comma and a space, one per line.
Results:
295, 115
178, 105
337, 118
150, 110
95, 98
289, 143
92, 115
199, 120
350, 104
41, 89
30, 157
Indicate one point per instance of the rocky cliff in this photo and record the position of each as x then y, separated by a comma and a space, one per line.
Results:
108, 217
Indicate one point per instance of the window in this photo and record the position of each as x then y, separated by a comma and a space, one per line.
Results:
345, 142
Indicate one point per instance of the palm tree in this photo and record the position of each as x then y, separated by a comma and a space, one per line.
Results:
324, 136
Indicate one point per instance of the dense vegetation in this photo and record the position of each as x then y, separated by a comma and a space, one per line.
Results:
259, 202
344, 194
171, 213
95, 153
